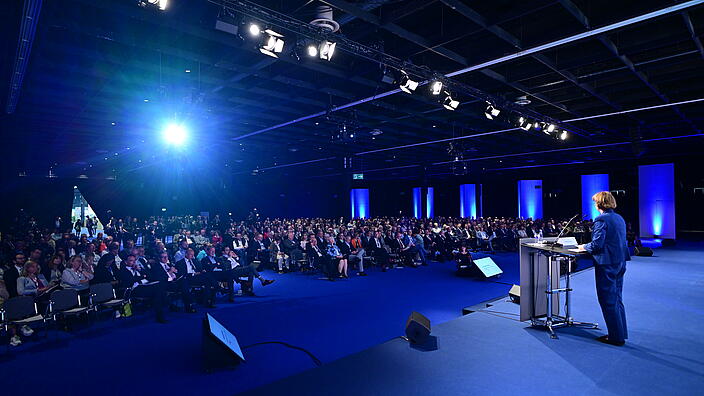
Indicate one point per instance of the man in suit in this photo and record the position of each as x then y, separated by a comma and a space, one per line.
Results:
106, 271
130, 276
609, 250
195, 275
257, 251
378, 249
169, 279
292, 248
11, 274
319, 259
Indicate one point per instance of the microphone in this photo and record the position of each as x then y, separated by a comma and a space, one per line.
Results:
556, 244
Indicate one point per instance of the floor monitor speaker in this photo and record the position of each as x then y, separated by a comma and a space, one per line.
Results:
417, 328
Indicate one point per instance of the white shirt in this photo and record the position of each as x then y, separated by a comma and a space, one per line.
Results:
189, 267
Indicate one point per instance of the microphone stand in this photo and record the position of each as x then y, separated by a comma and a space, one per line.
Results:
556, 244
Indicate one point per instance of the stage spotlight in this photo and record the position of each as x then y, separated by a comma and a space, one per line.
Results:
274, 44
450, 103
406, 84
160, 4
312, 50
524, 124
550, 128
436, 87
254, 29
491, 112
175, 134
563, 135
327, 49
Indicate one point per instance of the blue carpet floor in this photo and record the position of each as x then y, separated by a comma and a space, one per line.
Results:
331, 320
491, 352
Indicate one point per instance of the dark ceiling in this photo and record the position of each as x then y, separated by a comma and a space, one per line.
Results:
94, 63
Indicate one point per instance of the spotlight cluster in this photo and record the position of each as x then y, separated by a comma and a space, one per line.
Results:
492, 112
437, 88
272, 43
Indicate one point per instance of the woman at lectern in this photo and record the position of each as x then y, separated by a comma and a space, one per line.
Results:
609, 249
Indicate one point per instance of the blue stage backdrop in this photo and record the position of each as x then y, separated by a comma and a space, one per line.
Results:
592, 184
359, 198
468, 200
417, 203
530, 199
430, 203
656, 200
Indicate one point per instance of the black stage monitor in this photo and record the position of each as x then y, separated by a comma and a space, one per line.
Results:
220, 347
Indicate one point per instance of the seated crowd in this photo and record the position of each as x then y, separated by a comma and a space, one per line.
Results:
195, 258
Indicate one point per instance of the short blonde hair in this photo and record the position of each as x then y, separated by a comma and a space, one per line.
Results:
604, 200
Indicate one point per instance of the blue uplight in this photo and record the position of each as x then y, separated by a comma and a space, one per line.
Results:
430, 203
656, 200
417, 204
468, 200
530, 199
592, 184
359, 199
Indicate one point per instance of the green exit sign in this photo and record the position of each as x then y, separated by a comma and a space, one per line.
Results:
358, 176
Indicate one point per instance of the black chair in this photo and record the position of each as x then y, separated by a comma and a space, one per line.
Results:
21, 311
102, 295
66, 303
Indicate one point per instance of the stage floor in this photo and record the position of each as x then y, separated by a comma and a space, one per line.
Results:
491, 352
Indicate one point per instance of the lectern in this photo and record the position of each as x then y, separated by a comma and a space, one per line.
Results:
543, 267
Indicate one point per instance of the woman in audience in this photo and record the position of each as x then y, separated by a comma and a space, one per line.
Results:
54, 269
31, 282
336, 256
76, 276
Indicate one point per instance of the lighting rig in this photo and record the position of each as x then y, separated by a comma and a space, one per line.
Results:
322, 42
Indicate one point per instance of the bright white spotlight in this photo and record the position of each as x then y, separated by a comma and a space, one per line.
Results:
406, 84
312, 51
160, 4
436, 87
254, 29
327, 49
524, 124
551, 128
450, 103
274, 44
563, 135
491, 112
175, 134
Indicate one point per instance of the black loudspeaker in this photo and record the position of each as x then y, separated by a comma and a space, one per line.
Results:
417, 328
515, 294
643, 251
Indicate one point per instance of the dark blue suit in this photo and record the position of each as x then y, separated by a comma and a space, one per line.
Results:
609, 249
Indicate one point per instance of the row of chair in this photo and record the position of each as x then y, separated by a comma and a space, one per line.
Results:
23, 310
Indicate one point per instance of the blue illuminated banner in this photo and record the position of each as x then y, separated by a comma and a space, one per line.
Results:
592, 184
656, 200
359, 200
468, 200
530, 199
430, 203
417, 203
